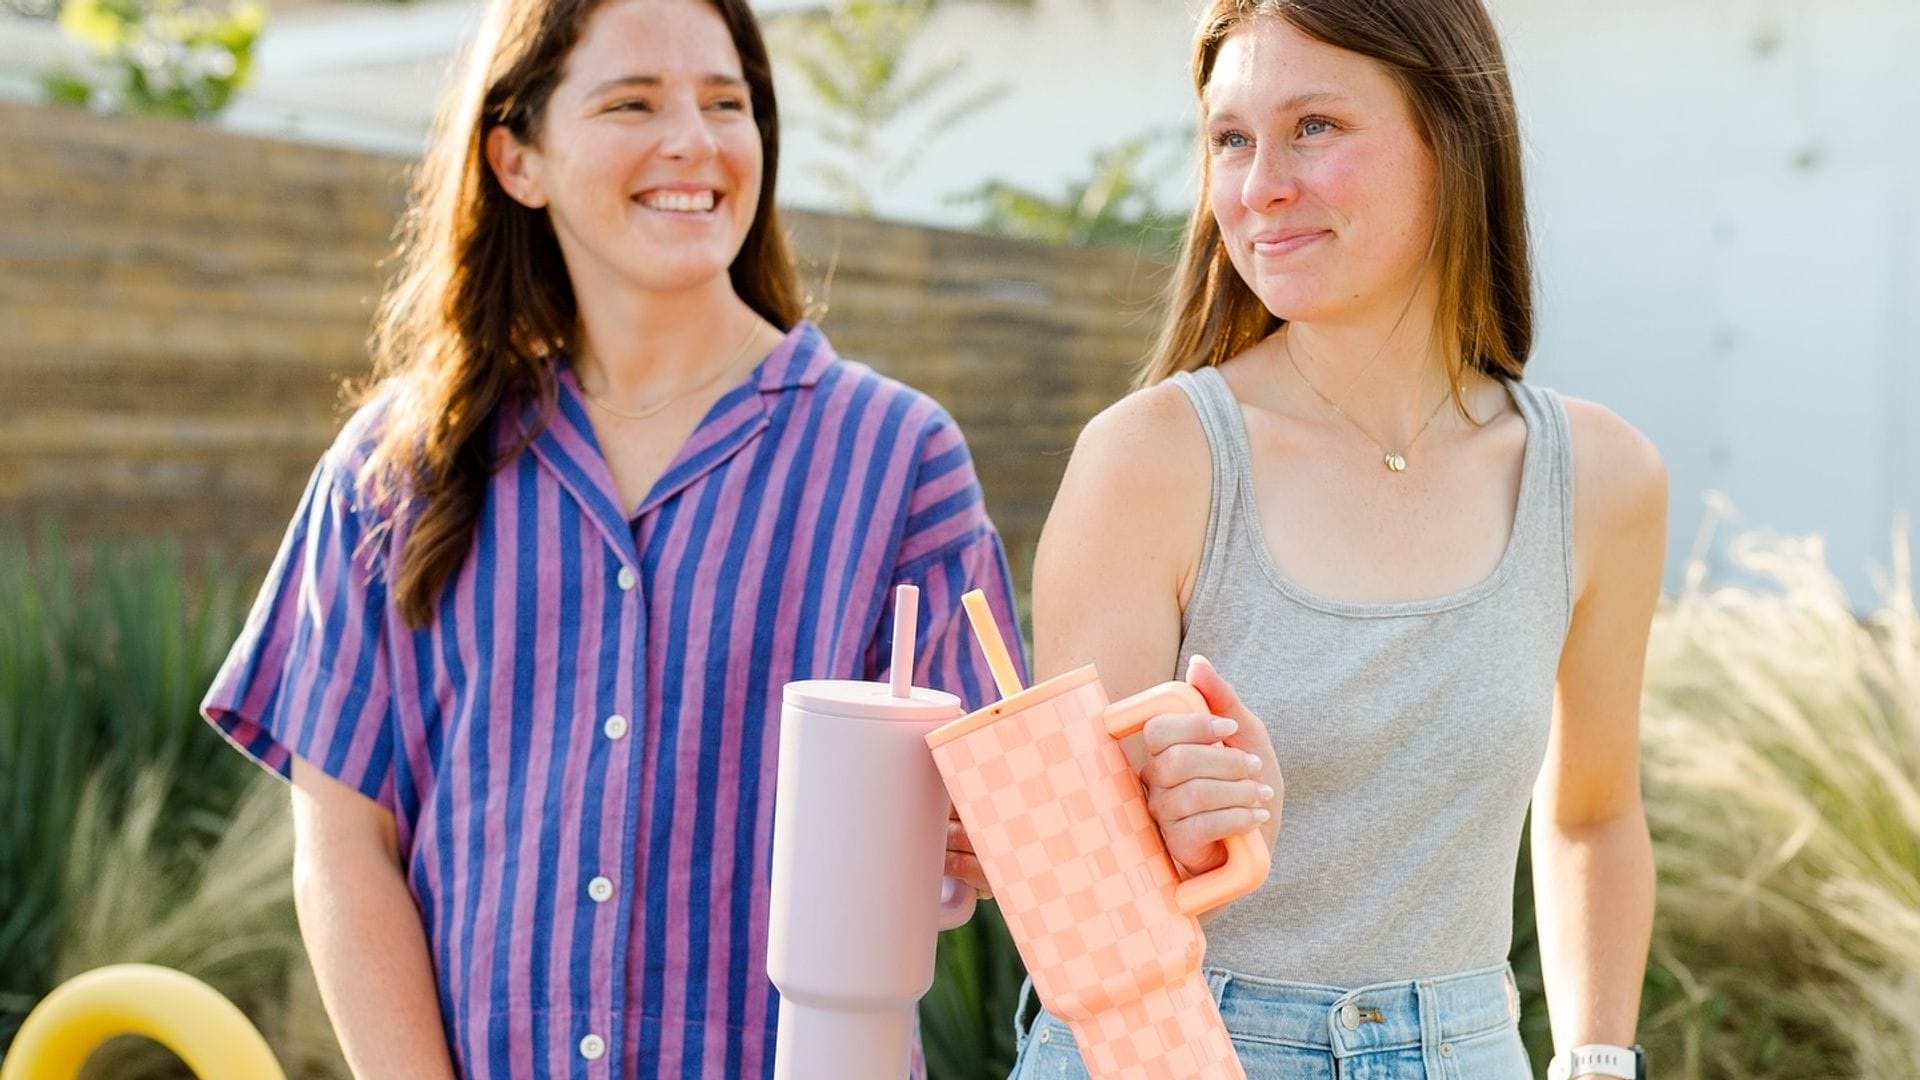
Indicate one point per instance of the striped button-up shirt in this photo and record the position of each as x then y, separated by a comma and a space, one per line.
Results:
580, 750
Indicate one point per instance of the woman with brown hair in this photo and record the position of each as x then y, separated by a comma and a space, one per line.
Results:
1429, 580
521, 653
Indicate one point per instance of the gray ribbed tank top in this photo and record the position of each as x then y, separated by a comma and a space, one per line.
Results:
1409, 733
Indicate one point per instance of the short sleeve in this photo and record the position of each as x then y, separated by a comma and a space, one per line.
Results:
949, 548
309, 673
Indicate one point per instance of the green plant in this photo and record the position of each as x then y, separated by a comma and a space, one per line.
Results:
158, 56
1114, 206
131, 831
853, 57
966, 1020
1782, 747
227, 917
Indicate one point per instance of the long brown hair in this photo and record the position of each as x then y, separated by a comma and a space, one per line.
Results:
481, 306
1446, 58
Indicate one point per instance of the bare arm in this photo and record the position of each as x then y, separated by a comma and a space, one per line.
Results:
1592, 859
1113, 570
363, 932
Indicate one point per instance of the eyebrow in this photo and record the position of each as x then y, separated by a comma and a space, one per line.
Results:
650, 81
1297, 102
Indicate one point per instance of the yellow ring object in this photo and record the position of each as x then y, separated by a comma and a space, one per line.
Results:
180, 1012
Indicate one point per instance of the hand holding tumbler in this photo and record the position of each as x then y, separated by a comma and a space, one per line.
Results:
1108, 931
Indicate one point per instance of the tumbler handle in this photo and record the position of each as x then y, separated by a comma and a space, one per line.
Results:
1247, 857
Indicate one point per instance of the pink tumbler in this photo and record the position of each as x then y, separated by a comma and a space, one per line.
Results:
859, 843
1108, 930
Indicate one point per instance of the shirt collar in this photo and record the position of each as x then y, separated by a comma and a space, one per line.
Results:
801, 359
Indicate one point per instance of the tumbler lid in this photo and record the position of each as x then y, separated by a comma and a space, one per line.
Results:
870, 700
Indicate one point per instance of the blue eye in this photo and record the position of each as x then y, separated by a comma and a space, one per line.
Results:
1315, 125
1231, 140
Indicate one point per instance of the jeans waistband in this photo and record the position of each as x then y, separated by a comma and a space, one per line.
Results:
1366, 1019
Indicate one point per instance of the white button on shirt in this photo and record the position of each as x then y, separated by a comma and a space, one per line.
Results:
616, 726
627, 579
593, 1047
600, 889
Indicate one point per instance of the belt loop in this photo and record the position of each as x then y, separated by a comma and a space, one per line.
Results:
1022, 1023
1430, 1040
1217, 980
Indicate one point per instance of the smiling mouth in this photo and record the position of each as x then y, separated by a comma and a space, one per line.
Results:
1291, 243
679, 202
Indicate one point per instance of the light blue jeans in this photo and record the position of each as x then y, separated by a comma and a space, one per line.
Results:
1457, 1027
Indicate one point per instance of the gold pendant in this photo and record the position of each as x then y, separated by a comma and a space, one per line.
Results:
1396, 463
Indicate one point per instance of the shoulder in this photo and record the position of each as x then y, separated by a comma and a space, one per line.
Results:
1150, 441
852, 395
349, 479
1137, 488
364, 428
1619, 488
1618, 472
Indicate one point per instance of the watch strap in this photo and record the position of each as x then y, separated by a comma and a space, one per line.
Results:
1596, 1059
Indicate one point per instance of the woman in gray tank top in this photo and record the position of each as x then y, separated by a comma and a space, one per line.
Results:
1429, 581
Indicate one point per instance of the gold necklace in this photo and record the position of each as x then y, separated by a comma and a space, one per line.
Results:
657, 407
1395, 460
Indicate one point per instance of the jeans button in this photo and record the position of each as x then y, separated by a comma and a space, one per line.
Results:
1446, 1049
1350, 1016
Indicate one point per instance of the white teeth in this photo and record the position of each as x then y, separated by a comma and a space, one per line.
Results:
679, 202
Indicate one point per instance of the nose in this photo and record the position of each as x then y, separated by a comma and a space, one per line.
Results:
1271, 181
687, 135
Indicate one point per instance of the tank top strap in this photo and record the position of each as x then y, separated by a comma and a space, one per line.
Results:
1232, 454
1546, 519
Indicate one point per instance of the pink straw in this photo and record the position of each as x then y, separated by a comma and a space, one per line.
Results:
906, 620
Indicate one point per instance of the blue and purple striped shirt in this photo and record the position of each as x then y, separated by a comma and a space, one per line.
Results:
580, 751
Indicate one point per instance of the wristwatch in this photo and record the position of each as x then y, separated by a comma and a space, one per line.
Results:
1600, 1059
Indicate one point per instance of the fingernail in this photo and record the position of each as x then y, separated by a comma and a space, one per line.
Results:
1266, 792
1254, 762
1224, 726
1261, 816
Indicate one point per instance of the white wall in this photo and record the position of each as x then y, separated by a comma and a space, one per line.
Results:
1726, 197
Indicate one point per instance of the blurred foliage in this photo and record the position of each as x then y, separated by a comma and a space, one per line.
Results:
855, 58
1782, 750
1113, 206
160, 57
131, 830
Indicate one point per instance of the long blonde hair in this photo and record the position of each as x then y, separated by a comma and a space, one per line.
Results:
1446, 58
482, 306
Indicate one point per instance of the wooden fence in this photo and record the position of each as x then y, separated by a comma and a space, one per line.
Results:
179, 305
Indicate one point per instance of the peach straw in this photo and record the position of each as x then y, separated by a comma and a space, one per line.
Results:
906, 620
988, 634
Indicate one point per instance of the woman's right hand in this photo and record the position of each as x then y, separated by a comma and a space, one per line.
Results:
1209, 777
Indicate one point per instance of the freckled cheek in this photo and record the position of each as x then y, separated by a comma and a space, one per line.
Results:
1223, 198
1340, 181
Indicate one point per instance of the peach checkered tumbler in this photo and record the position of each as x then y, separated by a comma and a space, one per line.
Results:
1107, 930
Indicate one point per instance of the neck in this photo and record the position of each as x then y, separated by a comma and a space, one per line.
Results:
636, 347
1384, 369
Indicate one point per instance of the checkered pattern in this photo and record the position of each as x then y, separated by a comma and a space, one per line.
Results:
1078, 867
